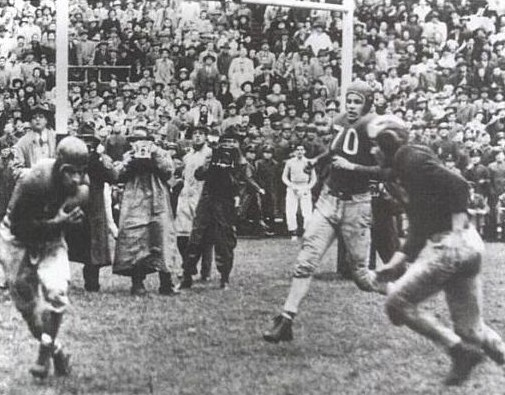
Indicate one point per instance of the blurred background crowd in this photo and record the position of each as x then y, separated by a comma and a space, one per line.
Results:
274, 73
27, 63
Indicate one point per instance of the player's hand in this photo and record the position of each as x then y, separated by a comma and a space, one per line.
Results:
311, 163
394, 269
342, 163
261, 191
73, 217
128, 158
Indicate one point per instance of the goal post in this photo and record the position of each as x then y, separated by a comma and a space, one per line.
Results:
62, 37
347, 10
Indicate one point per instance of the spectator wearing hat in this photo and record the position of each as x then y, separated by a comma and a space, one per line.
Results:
223, 93
101, 54
264, 56
363, 53
330, 82
241, 70
38, 144
284, 45
317, 65
164, 68
450, 116
267, 170
116, 144
111, 22
21, 47
465, 111
224, 59
232, 117
478, 174
318, 38
302, 72
275, 96
5, 75
207, 77
215, 107
250, 193
85, 49
478, 209
445, 146
485, 104
28, 65
189, 58
391, 83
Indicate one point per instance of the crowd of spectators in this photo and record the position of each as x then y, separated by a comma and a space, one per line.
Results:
27, 63
273, 72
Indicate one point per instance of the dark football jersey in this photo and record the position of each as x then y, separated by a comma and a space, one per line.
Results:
352, 143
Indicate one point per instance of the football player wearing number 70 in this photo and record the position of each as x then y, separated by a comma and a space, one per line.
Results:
344, 207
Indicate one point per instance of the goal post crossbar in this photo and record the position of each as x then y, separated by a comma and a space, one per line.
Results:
302, 4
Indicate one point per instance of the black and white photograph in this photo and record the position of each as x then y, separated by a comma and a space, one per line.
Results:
252, 197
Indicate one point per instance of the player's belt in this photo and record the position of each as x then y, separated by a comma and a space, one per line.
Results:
341, 195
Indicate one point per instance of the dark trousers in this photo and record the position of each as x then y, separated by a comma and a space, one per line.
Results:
213, 225
385, 240
91, 275
207, 254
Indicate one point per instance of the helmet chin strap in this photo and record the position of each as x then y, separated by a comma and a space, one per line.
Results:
198, 147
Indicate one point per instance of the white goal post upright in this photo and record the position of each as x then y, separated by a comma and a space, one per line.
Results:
61, 102
347, 10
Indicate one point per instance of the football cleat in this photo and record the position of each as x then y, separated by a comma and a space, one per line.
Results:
282, 330
464, 358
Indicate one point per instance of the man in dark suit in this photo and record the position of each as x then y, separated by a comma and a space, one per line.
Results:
207, 78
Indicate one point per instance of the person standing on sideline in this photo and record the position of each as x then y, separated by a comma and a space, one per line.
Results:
189, 197
215, 216
443, 252
299, 184
146, 240
92, 241
343, 208
48, 198
39, 143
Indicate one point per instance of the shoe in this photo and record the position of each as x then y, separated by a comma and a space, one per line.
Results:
166, 285
281, 331
173, 291
41, 368
139, 290
186, 283
294, 238
61, 362
224, 284
92, 288
496, 352
464, 358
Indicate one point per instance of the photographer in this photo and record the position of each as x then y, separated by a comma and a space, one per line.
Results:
91, 242
146, 240
214, 221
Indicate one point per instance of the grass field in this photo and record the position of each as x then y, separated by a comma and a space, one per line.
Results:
207, 341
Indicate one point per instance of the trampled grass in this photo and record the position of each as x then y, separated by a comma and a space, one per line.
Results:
207, 341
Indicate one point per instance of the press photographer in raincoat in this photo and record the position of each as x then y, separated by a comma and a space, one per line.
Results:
146, 240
